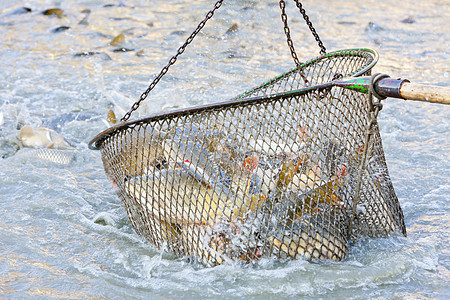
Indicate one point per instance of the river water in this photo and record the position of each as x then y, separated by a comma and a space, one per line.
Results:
65, 234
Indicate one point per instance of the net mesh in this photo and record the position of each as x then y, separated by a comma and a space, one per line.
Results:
263, 175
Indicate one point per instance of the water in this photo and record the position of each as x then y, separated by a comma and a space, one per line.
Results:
65, 234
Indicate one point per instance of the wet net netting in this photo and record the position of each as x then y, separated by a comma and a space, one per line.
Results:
291, 168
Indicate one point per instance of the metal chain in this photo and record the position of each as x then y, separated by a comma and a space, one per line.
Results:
323, 50
287, 31
171, 61
218, 4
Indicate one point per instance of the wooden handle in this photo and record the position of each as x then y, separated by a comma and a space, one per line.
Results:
421, 92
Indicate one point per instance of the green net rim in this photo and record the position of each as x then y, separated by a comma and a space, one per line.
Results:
97, 141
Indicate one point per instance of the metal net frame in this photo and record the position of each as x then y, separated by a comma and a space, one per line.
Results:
284, 170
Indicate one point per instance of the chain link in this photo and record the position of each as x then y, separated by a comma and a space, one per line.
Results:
287, 31
323, 50
180, 51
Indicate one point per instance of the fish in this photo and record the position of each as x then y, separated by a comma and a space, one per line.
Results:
17, 11
42, 138
310, 191
191, 153
240, 184
333, 157
54, 12
102, 55
247, 187
200, 148
375, 216
310, 242
59, 29
119, 101
199, 193
176, 201
118, 40
120, 4
122, 49
409, 20
222, 243
373, 27
214, 164
233, 28
177, 197
57, 156
84, 21
288, 170
326, 193
301, 210
139, 152
204, 245
111, 117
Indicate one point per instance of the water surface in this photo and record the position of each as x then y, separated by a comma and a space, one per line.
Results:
65, 234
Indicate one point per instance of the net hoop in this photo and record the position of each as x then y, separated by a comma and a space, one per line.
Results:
96, 142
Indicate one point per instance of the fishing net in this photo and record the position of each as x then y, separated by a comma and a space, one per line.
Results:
292, 168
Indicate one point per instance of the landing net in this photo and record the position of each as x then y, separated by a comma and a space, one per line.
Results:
284, 170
